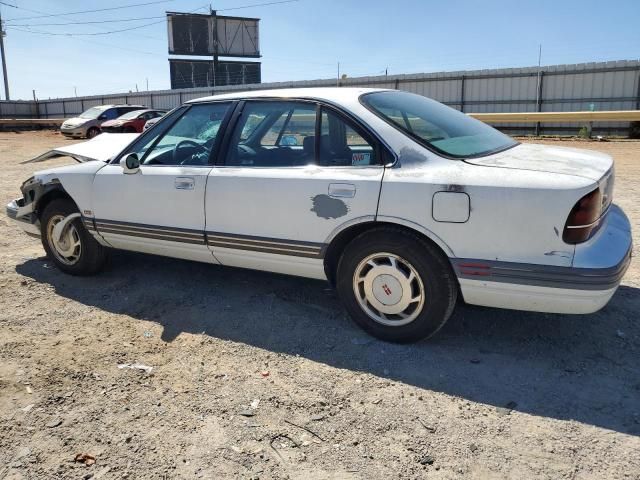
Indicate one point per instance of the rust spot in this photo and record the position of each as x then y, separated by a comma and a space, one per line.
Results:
454, 188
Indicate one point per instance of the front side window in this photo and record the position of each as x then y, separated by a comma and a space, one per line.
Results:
189, 141
274, 134
437, 126
110, 114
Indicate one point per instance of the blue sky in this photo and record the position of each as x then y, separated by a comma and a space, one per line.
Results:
307, 38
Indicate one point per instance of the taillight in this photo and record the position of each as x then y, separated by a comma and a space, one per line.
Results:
584, 218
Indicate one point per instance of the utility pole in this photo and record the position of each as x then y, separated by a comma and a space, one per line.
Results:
538, 83
75, 91
538, 89
4, 60
338, 79
214, 29
147, 80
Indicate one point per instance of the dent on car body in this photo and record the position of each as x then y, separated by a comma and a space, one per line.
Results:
101, 148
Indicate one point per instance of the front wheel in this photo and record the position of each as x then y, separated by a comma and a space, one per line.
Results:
395, 285
93, 132
74, 251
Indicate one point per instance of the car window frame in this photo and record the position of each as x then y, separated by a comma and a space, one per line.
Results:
381, 149
174, 116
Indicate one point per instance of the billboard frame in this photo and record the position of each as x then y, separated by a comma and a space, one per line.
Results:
217, 46
217, 76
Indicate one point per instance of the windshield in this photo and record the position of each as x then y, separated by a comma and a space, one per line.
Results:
437, 126
92, 113
130, 115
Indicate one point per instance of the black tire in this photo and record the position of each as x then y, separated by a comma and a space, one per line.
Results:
93, 132
91, 257
438, 283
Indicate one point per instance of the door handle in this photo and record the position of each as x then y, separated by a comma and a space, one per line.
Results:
342, 190
184, 183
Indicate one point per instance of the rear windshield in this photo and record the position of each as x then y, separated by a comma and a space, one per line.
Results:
437, 126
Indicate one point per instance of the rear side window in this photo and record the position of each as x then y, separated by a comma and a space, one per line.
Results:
437, 126
341, 144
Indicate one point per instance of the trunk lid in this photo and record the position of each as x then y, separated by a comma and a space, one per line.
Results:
552, 159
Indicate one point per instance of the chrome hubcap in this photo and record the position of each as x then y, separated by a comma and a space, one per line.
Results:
67, 248
388, 289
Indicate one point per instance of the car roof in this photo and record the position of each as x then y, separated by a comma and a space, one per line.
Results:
105, 107
331, 94
143, 110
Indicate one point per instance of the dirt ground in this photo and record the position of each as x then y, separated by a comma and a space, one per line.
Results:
257, 375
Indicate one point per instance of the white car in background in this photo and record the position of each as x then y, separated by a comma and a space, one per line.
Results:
402, 203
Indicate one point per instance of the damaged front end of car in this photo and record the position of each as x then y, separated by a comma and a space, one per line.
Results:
24, 210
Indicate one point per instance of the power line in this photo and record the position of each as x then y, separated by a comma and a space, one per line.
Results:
79, 12
84, 23
256, 5
83, 34
115, 20
109, 32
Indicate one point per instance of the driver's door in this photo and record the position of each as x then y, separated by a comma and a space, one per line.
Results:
160, 208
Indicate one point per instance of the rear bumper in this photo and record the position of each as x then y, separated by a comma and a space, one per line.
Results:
598, 268
24, 217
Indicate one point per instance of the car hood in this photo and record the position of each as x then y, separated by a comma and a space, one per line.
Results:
75, 121
546, 158
110, 123
103, 148
87, 168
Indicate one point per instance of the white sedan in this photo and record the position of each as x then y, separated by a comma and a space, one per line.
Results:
401, 203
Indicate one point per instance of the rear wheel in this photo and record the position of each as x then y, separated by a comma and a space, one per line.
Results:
74, 251
395, 285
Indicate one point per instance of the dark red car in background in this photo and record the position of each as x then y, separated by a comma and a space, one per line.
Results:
131, 122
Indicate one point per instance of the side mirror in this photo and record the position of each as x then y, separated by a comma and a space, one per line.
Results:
102, 117
130, 164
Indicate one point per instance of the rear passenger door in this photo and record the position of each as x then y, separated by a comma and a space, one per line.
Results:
294, 173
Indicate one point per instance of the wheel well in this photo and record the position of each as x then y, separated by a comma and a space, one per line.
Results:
49, 196
336, 247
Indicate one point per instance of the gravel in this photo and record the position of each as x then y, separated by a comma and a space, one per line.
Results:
497, 394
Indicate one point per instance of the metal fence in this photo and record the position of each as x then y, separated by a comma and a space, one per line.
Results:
557, 88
